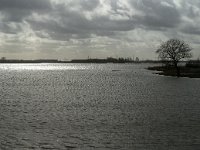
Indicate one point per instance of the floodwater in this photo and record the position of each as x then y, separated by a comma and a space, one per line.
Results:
96, 106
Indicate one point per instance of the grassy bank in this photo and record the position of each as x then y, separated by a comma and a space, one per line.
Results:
185, 71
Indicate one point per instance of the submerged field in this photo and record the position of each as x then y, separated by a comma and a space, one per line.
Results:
93, 106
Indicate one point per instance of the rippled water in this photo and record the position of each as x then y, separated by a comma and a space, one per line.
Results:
93, 106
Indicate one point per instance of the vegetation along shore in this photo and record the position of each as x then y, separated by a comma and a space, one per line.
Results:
191, 69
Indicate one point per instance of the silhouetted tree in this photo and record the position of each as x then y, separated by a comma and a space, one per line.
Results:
137, 59
174, 50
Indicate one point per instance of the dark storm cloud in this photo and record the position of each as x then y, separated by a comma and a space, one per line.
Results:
155, 15
158, 14
75, 22
89, 4
24, 4
16, 10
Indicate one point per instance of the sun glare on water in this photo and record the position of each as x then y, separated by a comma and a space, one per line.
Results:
43, 66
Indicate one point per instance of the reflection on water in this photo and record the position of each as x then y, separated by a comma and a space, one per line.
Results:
93, 106
43, 66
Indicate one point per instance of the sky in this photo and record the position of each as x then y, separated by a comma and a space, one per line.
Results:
78, 29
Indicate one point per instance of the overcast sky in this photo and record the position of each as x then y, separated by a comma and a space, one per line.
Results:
68, 29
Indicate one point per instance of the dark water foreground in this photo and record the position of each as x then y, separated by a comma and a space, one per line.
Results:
106, 106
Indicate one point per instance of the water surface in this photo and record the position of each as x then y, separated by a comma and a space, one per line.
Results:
96, 106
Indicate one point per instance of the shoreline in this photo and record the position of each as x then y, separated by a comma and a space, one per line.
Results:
190, 72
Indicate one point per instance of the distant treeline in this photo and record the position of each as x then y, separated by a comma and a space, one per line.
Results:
31, 61
94, 60
107, 60
89, 60
193, 64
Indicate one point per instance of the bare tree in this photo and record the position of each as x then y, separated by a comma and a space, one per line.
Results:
174, 50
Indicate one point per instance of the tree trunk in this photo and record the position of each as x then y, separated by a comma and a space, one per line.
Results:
177, 69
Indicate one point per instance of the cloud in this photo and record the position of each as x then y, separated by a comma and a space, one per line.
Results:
17, 10
94, 27
24, 4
